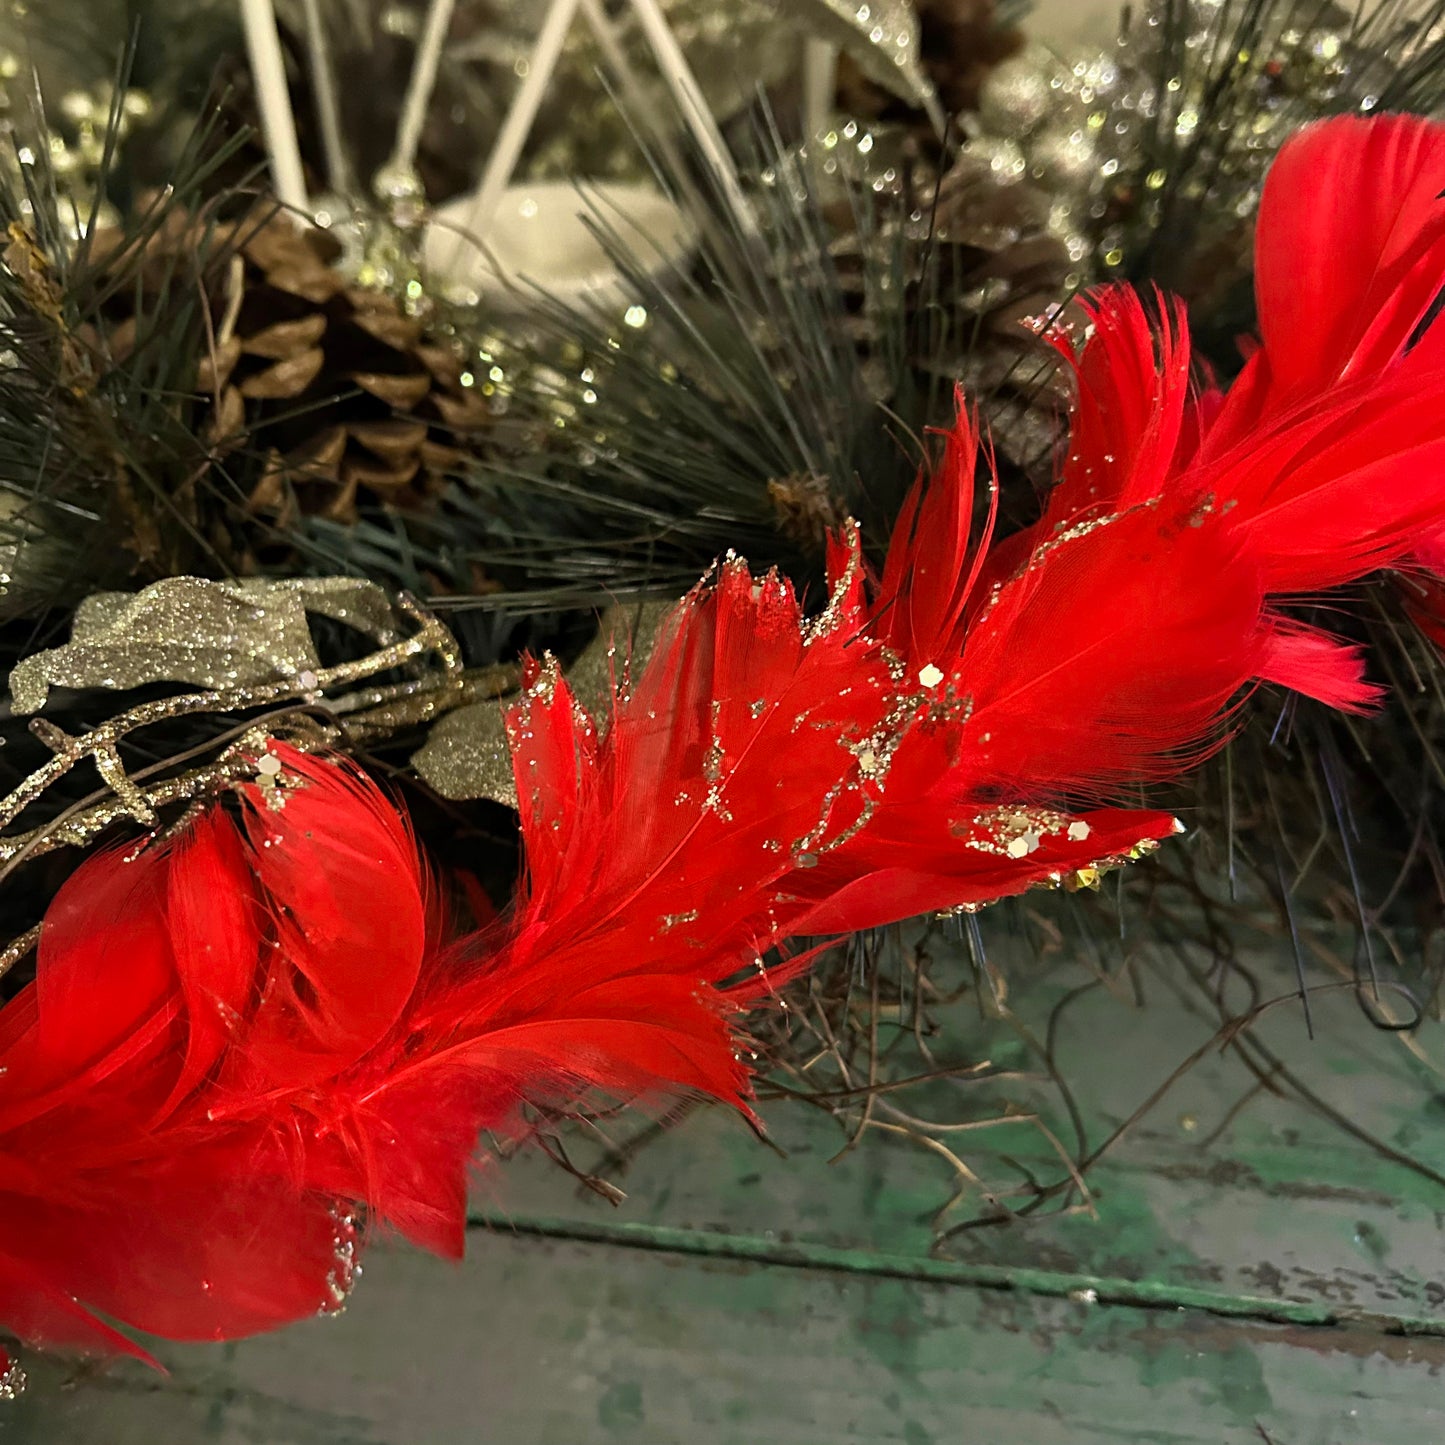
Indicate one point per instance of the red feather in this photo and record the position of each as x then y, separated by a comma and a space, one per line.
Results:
162, 1069
37, 1310
232, 1031
214, 920
1131, 407
1349, 256
1330, 442
345, 894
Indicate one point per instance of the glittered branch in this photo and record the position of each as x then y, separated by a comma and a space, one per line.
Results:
382, 712
18, 949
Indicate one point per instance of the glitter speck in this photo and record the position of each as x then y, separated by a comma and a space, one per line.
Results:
345, 1269
12, 1377
269, 765
930, 675
1078, 832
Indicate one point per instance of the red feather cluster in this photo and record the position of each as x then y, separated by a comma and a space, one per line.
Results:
237, 1037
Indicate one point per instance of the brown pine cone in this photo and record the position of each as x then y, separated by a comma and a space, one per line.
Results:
346, 398
347, 394
1000, 269
979, 262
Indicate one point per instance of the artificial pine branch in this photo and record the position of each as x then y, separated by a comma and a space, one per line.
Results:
99, 457
746, 410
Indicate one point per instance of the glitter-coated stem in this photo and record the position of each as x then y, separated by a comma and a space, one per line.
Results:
17, 950
101, 742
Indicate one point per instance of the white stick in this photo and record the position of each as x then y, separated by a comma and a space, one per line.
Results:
694, 107
518, 124
422, 83
328, 113
278, 124
820, 83
631, 87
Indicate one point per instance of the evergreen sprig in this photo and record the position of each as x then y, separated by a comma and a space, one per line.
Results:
99, 458
741, 414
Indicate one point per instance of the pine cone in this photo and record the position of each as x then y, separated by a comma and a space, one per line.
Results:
1000, 269
979, 263
347, 394
346, 398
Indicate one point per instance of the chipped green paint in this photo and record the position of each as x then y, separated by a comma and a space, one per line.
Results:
620, 1408
1085, 1288
1247, 1274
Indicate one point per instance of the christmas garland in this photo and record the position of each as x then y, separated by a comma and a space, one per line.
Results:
259, 1033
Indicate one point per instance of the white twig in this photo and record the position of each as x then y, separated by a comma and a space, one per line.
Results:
278, 123
694, 107
518, 124
820, 82
328, 112
422, 83
631, 86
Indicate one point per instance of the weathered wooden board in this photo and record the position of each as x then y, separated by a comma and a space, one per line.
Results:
1251, 1271
546, 1342
1224, 1189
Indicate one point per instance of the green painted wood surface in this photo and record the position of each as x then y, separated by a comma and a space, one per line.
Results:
1249, 1271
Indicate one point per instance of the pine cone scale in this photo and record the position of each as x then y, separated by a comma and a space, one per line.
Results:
286, 338
400, 392
286, 380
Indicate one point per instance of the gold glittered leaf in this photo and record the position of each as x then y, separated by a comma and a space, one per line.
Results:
466, 755
206, 634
